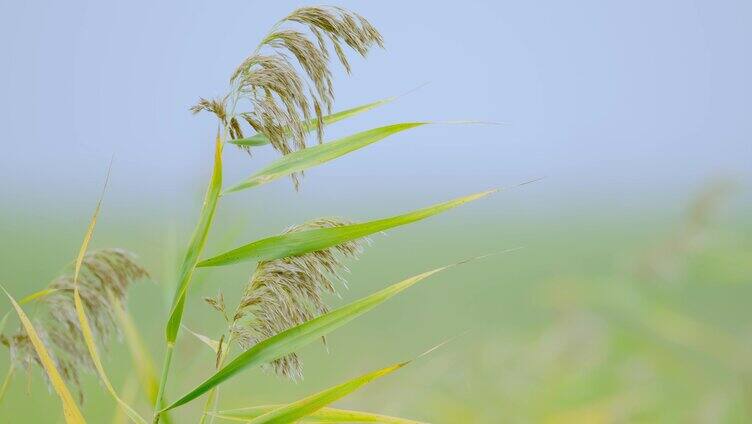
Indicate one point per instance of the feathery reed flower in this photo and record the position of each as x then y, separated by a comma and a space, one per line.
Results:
286, 292
282, 99
103, 284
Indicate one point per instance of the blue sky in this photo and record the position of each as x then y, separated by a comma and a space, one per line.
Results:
608, 99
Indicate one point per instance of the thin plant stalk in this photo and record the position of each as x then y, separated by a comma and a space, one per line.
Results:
210, 407
163, 380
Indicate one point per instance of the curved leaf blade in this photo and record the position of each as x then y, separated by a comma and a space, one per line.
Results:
70, 410
196, 245
256, 140
303, 159
37, 295
299, 336
298, 243
261, 140
323, 415
84, 320
306, 406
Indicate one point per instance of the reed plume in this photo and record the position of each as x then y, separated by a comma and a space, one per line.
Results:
286, 292
103, 285
286, 82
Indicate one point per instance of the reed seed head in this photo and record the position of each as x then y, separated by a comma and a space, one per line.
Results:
287, 82
103, 284
286, 292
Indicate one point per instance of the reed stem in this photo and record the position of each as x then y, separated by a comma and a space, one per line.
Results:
211, 400
163, 381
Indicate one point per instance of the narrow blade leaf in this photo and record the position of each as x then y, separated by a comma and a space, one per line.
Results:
307, 158
323, 415
306, 406
70, 410
298, 243
84, 320
196, 245
90, 231
299, 336
213, 344
37, 295
260, 139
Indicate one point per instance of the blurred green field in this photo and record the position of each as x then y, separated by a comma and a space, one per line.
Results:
601, 317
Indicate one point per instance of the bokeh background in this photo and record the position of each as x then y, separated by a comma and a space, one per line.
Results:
628, 302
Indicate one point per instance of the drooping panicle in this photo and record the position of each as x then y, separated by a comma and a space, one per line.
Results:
103, 284
286, 82
286, 292
23, 356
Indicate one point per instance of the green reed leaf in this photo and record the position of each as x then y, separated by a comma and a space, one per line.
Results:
299, 336
298, 243
323, 415
303, 159
83, 320
261, 140
196, 244
309, 405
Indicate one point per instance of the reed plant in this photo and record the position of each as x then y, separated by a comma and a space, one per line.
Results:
280, 97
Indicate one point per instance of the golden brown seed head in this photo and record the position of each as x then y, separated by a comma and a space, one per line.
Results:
287, 292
